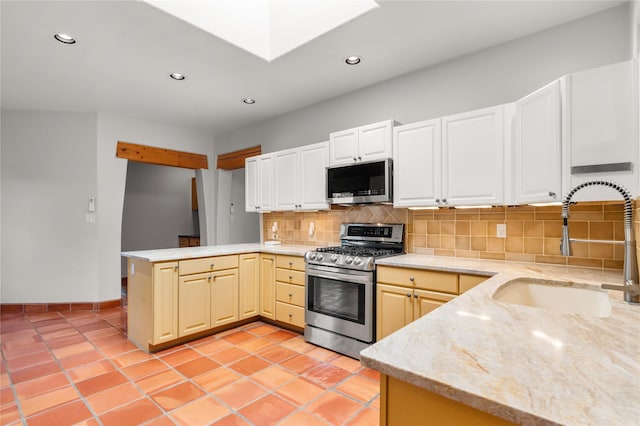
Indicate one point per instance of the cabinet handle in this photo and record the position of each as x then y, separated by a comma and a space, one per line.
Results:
409, 295
412, 279
290, 264
290, 295
290, 277
359, 158
209, 277
552, 194
290, 315
212, 265
415, 296
444, 201
214, 277
438, 200
175, 268
355, 159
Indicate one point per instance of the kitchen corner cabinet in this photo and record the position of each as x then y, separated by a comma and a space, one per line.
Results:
152, 312
248, 285
402, 403
290, 290
537, 146
364, 143
267, 286
602, 130
474, 145
300, 178
404, 294
259, 185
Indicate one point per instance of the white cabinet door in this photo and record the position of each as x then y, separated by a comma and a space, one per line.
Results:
258, 185
344, 146
251, 184
537, 146
417, 164
375, 141
286, 179
265, 182
312, 177
602, 133
473, 157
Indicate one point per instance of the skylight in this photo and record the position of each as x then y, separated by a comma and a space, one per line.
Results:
266, 28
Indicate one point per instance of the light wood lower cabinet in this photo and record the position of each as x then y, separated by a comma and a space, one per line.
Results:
290, 282
224, 297
402, 403
249, 285
403, 294
194, 304
268, 286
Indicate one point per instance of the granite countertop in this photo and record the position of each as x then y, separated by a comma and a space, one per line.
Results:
524, 364
162, 255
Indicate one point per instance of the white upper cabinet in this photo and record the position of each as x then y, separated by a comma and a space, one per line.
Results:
602, 131
416, 163
259, 183
474, 145
299, 178
365, 143
537, 146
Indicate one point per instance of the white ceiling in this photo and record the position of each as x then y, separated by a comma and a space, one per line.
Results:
126, 49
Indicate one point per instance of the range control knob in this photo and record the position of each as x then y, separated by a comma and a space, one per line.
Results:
357, 261
348, 260
312, 256
320, 257
334, 257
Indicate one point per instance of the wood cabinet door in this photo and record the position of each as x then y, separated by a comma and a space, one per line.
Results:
417, 164
473, 157
312, 189
426, 301
165, 302
537, 150
249, 286
194, 310
343, 147
224, 297
375, 141
286, 179
394, 309
267, 285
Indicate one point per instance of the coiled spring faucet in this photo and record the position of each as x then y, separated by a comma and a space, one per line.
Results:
630, 288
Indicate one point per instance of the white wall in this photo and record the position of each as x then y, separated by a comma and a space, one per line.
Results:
111, 185
49, 253
493, 76
157, 207
51, 163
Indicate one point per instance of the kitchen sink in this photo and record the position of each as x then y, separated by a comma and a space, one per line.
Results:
558, 296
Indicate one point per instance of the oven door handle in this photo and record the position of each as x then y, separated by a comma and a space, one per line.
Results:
352, 279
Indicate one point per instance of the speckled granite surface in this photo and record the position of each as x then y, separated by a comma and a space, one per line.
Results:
524, 364
162, 255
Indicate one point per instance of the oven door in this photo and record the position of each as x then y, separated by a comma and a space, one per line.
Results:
340, 300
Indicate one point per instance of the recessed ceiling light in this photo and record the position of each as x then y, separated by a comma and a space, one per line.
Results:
249, 101
352, 60
177, 76
64, 38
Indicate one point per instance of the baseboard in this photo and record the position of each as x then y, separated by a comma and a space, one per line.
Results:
31, 308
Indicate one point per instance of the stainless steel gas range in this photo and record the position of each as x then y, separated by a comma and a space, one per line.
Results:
340, 305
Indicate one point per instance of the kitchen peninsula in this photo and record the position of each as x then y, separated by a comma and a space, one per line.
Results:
522, 364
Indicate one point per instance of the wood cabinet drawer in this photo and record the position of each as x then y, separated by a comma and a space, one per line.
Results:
290, 276
290, 262
290, 314
289, 293
469, 281
207, 264
417, 278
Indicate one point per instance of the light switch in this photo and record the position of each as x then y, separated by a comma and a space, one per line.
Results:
92, 204
501, 230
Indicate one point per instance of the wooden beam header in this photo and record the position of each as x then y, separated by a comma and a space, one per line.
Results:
161, 156
235, 160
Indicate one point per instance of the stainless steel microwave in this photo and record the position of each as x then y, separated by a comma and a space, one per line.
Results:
361, 183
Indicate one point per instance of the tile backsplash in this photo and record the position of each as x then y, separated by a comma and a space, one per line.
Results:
533, 233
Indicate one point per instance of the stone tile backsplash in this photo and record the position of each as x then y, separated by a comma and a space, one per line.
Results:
533, 233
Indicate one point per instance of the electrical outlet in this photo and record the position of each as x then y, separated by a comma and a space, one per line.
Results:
501, 230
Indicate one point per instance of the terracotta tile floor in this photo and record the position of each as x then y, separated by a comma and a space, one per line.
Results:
79, 368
